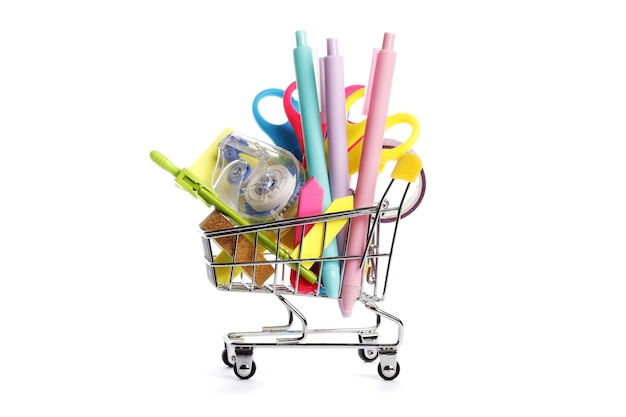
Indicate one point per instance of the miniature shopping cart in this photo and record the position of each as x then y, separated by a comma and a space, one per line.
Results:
258, 258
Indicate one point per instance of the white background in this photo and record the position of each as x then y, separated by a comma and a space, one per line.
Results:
509, 277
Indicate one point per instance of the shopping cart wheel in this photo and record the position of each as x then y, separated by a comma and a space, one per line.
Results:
388, 373
244, 366
388, 367
226, 358
245, 371
368, 355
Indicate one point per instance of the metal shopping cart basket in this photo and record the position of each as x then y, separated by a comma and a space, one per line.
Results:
251, 258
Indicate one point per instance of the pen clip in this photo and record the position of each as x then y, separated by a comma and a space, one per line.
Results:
370, 82
388, 41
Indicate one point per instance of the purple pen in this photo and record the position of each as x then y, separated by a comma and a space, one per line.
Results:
336, 129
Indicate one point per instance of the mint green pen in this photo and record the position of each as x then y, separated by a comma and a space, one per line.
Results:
314, 149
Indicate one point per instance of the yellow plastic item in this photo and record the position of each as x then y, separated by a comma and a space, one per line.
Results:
356, 131
204, 166
312, 242
222, 273
407, 168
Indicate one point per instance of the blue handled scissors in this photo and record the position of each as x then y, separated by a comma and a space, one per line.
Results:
289, 134
283, 135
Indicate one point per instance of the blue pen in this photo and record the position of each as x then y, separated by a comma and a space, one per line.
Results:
314, 148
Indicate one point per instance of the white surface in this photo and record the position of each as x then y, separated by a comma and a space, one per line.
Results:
510, 276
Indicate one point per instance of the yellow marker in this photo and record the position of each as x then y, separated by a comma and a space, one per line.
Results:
323, 232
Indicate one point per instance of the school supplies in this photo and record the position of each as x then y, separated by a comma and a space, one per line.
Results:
278, 216
309, 204
191, 183
355, 130
241, 250
295, 118
336, 132
381, 76
356, 133
258, 180
314, 148
204, 166
283, 135
319, 237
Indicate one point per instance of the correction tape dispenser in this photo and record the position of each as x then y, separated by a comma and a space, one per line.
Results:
259, 180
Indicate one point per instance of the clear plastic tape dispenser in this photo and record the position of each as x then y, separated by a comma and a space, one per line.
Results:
259, 180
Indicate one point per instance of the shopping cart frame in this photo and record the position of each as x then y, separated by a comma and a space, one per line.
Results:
239, 346
238, 350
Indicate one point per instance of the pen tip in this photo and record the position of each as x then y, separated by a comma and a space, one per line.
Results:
301, 38
345, 312
388, 40
332, 46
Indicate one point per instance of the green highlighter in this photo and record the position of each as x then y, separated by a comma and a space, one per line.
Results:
191, 183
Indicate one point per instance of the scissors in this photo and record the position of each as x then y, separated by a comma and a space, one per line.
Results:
283, 135
356, 130
289, 134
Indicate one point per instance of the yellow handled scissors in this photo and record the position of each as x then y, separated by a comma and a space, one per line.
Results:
356, 131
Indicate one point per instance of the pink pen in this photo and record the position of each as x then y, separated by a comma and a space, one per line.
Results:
376, 108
